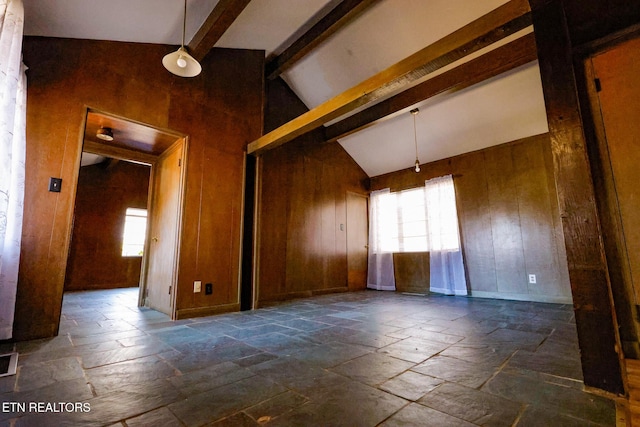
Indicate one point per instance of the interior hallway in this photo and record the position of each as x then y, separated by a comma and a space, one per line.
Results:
355, 359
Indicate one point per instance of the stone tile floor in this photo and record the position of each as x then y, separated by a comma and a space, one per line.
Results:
357, 359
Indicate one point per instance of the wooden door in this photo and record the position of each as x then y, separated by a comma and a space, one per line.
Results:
164, 227
618, 92
357, 240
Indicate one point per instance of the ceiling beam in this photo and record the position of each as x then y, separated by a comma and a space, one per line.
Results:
502, 59
336, 19
216, 24
120, 153
494, 26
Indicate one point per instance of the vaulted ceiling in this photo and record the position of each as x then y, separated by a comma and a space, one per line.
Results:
340, 44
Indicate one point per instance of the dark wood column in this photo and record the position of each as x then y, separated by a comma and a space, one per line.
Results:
590, 284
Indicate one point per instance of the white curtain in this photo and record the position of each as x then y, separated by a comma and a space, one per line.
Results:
447, 266
382, 227
12, 156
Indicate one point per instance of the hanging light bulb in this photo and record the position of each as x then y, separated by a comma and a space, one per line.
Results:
414, 113
180, 62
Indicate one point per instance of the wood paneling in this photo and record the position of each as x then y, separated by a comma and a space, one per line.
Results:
508, 218
274, 189
103, 196
506, 228
472, 202
128, 134
302, 202
539, 217
633, 379
411, 272
220, 110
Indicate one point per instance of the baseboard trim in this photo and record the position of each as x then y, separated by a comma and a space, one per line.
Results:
274, 299
381, 288
448, 292
554, 299
187, 313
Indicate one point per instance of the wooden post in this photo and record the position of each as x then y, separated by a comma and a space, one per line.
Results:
590, 284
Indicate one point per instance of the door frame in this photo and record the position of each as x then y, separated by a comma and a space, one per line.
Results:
135, 156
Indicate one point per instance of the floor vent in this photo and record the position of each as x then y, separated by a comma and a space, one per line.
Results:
8, 364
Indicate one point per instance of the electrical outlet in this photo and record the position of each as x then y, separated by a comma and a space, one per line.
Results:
197, 286
208, 289
532, 278
55, 184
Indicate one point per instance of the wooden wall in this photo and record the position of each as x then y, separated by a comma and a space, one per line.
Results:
509, 218
302, 202
220, 111
95, 255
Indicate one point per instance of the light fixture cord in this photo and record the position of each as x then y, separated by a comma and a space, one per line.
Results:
184, 22
415, 134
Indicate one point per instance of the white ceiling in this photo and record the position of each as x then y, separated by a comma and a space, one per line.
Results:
89, 159
496, 111
144, 21
268, 24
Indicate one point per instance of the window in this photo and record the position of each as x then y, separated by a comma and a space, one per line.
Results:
412, 221
135, 229
419, 219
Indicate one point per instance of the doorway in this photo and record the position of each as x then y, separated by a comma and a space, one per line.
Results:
114, 194
125, 144
357, 240
611, 77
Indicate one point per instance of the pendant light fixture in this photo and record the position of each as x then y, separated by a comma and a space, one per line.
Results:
180, 62
414, 113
